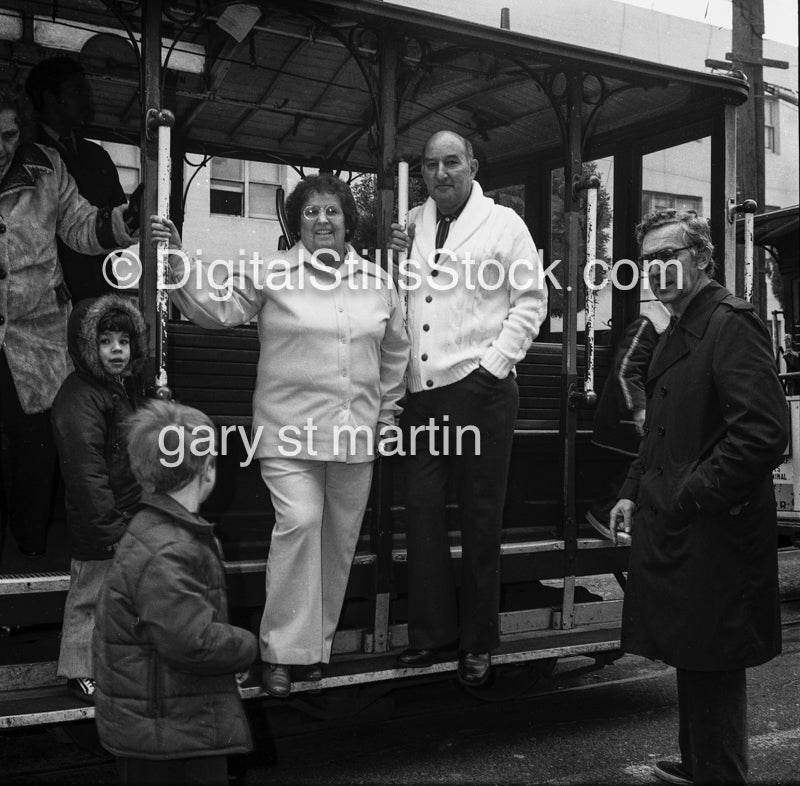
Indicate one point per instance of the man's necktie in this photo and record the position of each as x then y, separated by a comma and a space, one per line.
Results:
68, 143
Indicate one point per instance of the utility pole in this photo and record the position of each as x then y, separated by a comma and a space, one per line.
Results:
748, 57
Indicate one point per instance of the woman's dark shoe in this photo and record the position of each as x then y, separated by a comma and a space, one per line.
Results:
310, 673
275, 680
474, 668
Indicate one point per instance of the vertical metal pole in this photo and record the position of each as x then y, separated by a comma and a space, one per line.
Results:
163, 121
777, 334
151, 65
749, 208
402, 219
569, 365
591, 185
382, 531
748, 257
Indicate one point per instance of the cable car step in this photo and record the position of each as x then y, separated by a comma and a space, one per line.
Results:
54, 704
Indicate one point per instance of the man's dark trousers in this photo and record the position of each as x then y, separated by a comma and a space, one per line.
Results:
479, 479
712, 710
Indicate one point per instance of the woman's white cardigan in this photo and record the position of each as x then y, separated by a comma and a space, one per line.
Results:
333, 352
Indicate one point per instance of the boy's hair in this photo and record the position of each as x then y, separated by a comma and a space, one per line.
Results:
161, 436
115, 319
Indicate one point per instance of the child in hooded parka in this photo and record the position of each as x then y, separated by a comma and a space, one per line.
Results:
107, 341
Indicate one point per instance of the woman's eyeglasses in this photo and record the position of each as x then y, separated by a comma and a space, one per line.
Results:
312, 211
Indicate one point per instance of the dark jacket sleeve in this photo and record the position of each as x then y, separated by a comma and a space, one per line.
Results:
172, 600
756, 417
80, 430
636, 350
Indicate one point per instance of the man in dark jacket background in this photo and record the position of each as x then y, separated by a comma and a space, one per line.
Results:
702, 591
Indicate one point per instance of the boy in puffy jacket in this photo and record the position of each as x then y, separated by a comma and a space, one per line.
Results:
167, 702
107, 340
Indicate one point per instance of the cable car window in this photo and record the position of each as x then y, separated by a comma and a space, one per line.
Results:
678, 177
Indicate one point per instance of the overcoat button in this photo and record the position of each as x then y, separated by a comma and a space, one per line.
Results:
663, 392
429, 383
661, 431
659, 471
424, 357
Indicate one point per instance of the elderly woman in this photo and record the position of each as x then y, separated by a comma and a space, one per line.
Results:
330, 375
38, 201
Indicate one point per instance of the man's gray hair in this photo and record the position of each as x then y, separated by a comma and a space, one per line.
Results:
696, 230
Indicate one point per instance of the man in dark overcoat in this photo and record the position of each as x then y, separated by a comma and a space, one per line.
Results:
702, 591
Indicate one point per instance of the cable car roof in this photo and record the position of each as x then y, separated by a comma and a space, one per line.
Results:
304, 84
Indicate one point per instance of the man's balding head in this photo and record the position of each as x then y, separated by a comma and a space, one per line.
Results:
448, 169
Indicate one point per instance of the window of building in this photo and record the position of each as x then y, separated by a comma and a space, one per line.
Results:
657, 200
227, 186
771, 124
244, 188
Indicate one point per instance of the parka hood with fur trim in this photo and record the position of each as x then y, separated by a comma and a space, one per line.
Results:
82, 335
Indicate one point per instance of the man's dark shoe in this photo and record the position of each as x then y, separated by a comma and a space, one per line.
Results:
418, 658
673, 772
474, 668
310, 673
275, 680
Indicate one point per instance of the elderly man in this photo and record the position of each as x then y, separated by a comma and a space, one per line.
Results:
476, 298
702, 591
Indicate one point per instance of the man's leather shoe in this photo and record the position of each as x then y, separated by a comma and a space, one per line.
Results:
474, 668
310, 673
275, 680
